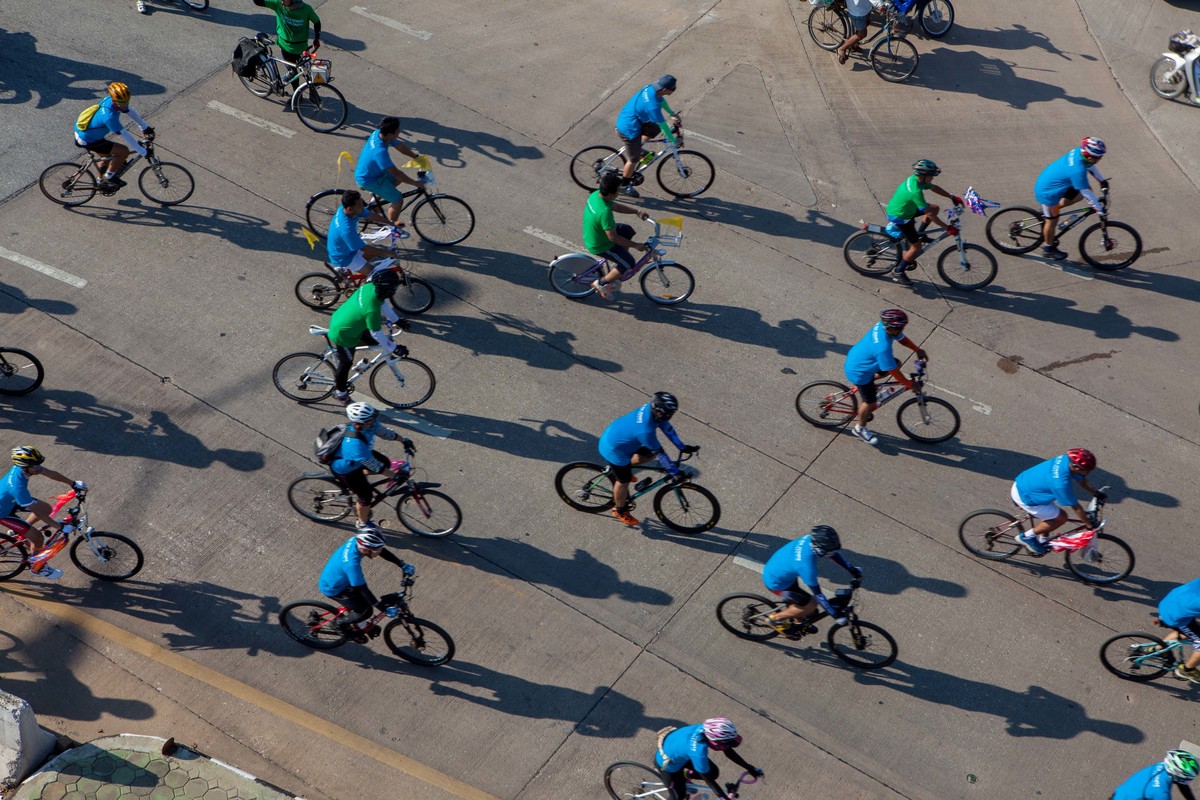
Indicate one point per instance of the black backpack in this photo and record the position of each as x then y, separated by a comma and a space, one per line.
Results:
247, 57
329, 442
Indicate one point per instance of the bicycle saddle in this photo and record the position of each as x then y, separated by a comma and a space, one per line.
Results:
317, 330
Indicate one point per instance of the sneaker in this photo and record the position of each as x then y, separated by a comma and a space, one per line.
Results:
115, 181
1181, 671
342, 397
1052, 251
48, 573
900, 276
624, 515
1032, 543
602, 289
141, 6
864, 434
629, 191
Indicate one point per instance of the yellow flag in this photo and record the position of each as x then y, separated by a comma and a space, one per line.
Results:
417, 163
676, 221
349, 160
310, 237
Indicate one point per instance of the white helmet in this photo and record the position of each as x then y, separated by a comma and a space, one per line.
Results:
361, 412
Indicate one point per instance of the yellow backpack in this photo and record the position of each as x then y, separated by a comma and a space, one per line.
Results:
85, 118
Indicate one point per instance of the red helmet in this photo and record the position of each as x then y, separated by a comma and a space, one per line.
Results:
1082, 458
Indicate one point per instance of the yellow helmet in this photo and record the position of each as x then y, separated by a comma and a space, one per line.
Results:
27, 456
119, 92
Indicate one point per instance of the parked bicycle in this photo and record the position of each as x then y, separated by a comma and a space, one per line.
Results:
1138, 656
686, 507
829, 24
663, 281
876, 250
1107, 245
1090, 554
629, 780
399, 381
323, 290
319, 105
73, 183
314, 623
862, 645
830, 404
20, 371
103, 555
681, 173
323, 498
890, 54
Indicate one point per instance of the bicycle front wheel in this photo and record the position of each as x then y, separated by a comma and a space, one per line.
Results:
413, 296
667, 283
260, 84
690, 176
429, 513
826, 404
585, 487
870, 253
1015, 230
166, 183
862, 645
411, 384
937, 18
988, 533
320, 107
304, 377
590, 163
572, 275
973, 268
13, 555
626, 780
1115, 248
318, 290
1167, 78
931, 422
20, 371
1108, 560
320, 208
311, 623
828, 27
320, 499
67, 184
443, 219
893, 59
687, 508
1136, 656
107, 556
745, 616
419, 641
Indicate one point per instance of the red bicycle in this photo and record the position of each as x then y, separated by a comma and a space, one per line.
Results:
323, 290
107, 556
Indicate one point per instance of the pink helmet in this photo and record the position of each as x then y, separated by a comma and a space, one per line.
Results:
720, 733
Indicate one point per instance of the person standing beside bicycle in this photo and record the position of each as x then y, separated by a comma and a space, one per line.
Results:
907, 203
871, 356
796, 563
15, 498
374, 171
1039, 488
1180, 611
342, 579
859, 12
602, 236
358, 322
1154, 782
97, 121
681, 748
292, 18
640, 120
1062, 183
356, 458
344, 245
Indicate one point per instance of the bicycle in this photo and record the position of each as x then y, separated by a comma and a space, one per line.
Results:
319, 105
102, 555
321, 497
73, 183
692, 169
830, 404
20, 371
1140, 657
629, 780
1017, 230
685, 507
664, 282
829, 24
891, 55
309, 377
876, 250
861, 645
991, 533
323, 290
314, 623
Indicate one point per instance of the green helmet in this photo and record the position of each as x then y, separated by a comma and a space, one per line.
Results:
926, 167
1181, 766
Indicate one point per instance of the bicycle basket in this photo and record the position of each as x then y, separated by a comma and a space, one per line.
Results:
321, 69
668, 237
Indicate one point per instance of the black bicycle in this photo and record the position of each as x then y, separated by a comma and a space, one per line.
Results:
440, 219
20, 371
829, 24
319, 105
73, 183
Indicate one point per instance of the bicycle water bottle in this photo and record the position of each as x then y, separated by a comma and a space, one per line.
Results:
647, 157
361, 366
392, 612
887, 392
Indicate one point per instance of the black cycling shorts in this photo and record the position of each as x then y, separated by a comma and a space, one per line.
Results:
794, 595
356, 602
909, 229
102, 147
624, 472
868, 392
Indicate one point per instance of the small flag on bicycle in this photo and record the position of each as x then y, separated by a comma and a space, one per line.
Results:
976, 203
310, 237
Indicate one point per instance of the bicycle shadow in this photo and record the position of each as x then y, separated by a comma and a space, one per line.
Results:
446, 145
811, 225
969, 71
517, 268
1105, 323
500, 334
547, 440
1174, 286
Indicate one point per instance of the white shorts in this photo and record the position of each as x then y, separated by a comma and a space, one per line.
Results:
1046, 512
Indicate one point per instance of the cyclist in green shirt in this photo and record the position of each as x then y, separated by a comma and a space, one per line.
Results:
292, 18
906, 205
602, 236
358, 322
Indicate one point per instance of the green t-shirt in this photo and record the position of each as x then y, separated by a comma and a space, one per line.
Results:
291, 24
597, 218
908, 201
355, 317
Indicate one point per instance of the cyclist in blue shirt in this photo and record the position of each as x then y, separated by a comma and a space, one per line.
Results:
15, 498
344, 245
1062, 184
871, 358
641, 119
1039, 488
1180, 610
681, 748
342, 579
356, 458
98, 121
375, 171
1154, 782
796, 563
633, 439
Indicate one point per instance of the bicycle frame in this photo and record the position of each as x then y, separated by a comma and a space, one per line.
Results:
1081, 537
303, 67
358, 370
611, 163
76, 516
600, 483
918, 379
652, 256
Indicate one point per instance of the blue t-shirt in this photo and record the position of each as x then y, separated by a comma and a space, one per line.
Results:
1048, 482
343, 570
872, 354
795, 560
637, 429
1058, 179
645, 106
1151, 783
684, 745
373, 162
14, 491
354, 451
106, 120
344, 242
1181, 605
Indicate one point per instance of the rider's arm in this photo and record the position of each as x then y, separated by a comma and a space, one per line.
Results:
898, 375
388, 312
404, 148
391, 558
136, 117
384, 340
1091, 198
57, 476
1095, 173
620, 240
819, 596
669, 430
400, 176
133, 143
732, 754
958, 201
846, 565
621, 208
911, 345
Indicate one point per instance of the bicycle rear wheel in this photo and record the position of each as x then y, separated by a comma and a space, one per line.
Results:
988, 533
166, 183
320, 208
687, 508
304, 377
443, 219
408, 386
320, 107
1015, 230
871, 253
1166, 79
585, 486
20, 371
320, 499
67, 184
689, 177
311, 623
828, 27
13, 554
937, 18
429, 513
318, 290
107, 556
667, 283
1112, 561
826, 404
973, 269
1136, 657
626, 780
931, 422
419, 641
1117, 247
572, 275
894, 59
862, 645
260, 84
589, 164
745, 616
413, 295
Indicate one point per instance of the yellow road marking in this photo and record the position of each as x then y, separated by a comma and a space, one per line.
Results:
255, 697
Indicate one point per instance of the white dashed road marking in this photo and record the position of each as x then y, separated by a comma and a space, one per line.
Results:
393, 24
748, 564
557, 241
286, 133
45, 269
726, 146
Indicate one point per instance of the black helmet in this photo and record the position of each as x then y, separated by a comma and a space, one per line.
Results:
825, 539
385, 281
664, 405
926, 167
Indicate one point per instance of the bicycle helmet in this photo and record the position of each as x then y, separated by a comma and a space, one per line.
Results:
1093, 147
825, 539
664, 405
27, 456
119, 92
665, 82
927, 167
893, 318
1082, 458
361, 412
385, 281
1181, 766
719, 729
369, 540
